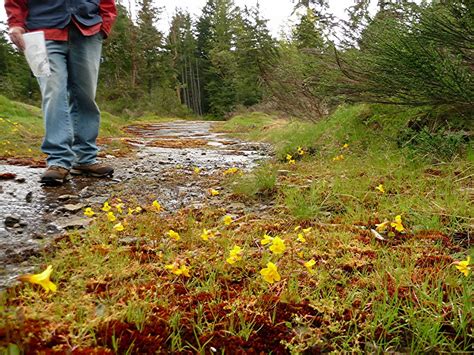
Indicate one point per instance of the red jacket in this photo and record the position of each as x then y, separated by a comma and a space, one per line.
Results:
17, 12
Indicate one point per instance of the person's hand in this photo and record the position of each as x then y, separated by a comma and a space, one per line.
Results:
16, 36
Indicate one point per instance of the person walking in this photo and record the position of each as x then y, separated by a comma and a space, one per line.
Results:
74, 31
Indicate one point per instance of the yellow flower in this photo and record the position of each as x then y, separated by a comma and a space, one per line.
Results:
111, 217
119, 227
156, 205
30, 150
278, 246
205, 235
398, 224
270, 273
292, 162
228, 220
231, 171
178, 270
338, 158
130, 211
464, 266
266, 239
138, 209
297, 228
235, 254
289, 157
309, 264
345, 146
301, 238
89, 212
380, 188
106, 207
214, 192
119, 207
174, 235
307, 230
41, 279
301, 151
382, 226
197, 170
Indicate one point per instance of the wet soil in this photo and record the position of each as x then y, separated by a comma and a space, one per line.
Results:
162, 167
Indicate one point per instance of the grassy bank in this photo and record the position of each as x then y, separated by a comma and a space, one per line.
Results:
21, 131
347, 244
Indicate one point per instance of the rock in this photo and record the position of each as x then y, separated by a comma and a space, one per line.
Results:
20, 180
97, 200
73, 222
283, 172
29, 197
68, 197
237, 206
73, 208
128, 241
11, 221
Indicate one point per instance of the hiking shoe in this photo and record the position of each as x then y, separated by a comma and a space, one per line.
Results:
55, 175
94, 170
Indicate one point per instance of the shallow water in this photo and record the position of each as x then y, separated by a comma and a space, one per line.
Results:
165, 172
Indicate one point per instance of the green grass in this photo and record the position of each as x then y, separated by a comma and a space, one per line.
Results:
402, 294
22, 130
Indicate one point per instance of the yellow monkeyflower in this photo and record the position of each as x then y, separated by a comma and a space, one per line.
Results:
301, 151
214, 192
307, 230
138, 209
289, 157
130, 211
119, 207
297, 228
464, 266
197, 170
398, 224
235, 254
178, 270
106, 207
228, 220
174, 235
111, 217
270, 273
205, 235
41, 279
156, 205
338, 158
119, 227
231, 171
309, 264
301, 238
345, 146
382, 227
89, 212
278, 246
266, 239
380, 188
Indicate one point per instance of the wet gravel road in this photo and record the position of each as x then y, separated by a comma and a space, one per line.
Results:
31, 215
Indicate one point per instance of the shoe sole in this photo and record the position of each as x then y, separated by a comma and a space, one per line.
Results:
91, 174
54, 182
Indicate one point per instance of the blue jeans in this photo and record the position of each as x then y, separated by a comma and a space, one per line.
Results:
71, 115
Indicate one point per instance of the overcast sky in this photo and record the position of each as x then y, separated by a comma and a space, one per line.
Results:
277, 11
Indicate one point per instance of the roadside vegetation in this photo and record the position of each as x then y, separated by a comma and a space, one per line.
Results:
361, 248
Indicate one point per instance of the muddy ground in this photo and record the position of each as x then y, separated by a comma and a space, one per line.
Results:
161, 167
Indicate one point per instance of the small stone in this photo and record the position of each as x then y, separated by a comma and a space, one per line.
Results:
29, 197
67, 197
73, 208
11, 221
20, 180
283, 172
72, 222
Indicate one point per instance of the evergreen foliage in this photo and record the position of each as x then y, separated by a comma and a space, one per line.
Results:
407, 54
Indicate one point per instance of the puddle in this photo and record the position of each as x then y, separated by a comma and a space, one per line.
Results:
37, 214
